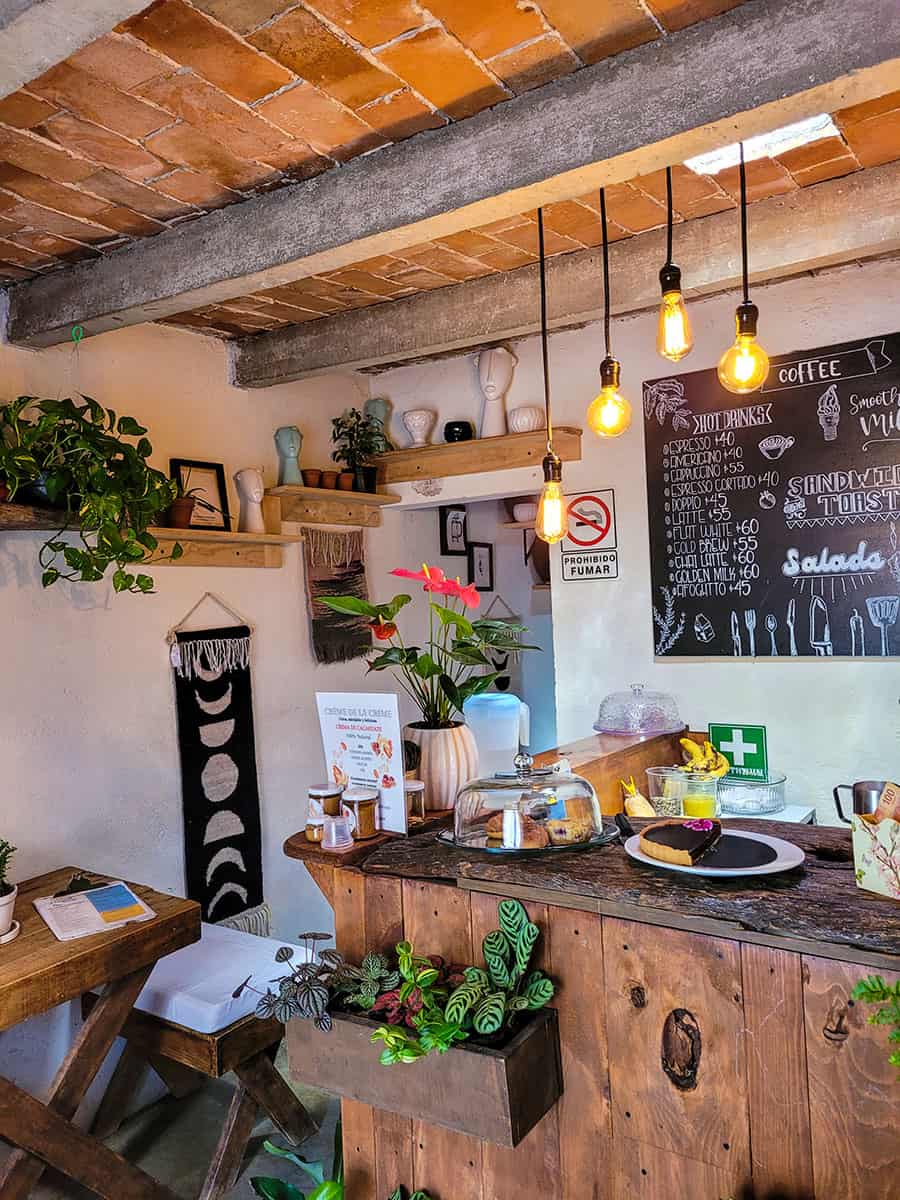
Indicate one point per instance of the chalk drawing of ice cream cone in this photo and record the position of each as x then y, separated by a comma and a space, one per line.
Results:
829, 409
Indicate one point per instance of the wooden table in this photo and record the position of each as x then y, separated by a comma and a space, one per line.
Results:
37, 972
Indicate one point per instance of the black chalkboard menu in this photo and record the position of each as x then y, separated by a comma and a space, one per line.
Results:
775, 516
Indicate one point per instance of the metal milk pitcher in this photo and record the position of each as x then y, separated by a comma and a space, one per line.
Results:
866, 794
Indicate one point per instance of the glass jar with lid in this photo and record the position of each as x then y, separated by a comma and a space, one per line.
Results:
324, 800
638, 711
528, 809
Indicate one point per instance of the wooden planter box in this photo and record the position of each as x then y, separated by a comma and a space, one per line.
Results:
497, 1095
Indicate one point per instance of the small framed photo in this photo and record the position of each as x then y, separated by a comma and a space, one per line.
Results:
453, 530
206, 481
481, 566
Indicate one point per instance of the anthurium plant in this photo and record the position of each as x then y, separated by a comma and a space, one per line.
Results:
452, 664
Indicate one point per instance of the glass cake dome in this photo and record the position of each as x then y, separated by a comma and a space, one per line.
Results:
638, 711
528, 809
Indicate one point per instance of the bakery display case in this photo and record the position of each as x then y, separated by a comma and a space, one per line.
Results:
528, 809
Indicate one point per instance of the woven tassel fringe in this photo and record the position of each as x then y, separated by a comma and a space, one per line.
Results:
325, 548
221, 654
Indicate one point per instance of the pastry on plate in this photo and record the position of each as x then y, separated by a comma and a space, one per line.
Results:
680, 842
534, 835
569, 831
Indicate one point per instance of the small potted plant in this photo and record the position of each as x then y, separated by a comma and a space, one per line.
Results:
8, 891
181, 511
357, 438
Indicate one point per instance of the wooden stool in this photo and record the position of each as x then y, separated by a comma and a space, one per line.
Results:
189, 1025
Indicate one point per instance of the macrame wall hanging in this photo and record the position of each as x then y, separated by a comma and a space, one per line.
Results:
507, 662
335, 566
220, 792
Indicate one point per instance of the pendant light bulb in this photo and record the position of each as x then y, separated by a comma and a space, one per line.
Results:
610, 413
550, 522
674, 337
744, 365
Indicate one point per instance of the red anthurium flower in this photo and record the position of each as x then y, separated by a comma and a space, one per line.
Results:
383, 630
469, 596
432, 577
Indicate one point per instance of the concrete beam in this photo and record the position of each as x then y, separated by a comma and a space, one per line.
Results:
37, 34
839, 221
747, 71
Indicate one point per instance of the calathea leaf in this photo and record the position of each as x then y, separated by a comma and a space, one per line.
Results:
512, 917
525, 943
488, 1016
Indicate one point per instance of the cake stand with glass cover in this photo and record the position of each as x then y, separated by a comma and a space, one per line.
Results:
528, 810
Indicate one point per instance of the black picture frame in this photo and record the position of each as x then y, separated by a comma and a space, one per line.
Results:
211, 510
453, 543
476, 572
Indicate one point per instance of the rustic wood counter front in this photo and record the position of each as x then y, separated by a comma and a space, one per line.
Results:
710, 1047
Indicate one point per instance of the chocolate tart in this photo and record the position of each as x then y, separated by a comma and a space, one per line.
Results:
681, 842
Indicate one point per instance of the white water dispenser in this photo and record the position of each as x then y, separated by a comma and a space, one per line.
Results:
500, 724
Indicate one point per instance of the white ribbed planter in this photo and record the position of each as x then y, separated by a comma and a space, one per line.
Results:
449, 760
7, 904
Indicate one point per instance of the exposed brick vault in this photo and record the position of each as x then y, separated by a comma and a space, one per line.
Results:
189, 107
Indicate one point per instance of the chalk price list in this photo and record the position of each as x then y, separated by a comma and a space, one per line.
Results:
708, 552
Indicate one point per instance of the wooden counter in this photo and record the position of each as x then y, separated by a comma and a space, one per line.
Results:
788, 1093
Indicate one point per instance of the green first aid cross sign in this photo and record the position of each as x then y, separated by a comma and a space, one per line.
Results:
745, 748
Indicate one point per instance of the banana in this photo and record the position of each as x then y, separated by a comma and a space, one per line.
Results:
636, 804
694, 751
703, 758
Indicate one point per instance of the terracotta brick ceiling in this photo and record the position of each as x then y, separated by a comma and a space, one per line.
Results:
191, 106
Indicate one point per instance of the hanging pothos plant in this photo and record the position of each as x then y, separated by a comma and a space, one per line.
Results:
77, 458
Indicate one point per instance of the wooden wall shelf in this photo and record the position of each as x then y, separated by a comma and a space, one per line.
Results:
477, 455
218, 548
202, 547
329, 506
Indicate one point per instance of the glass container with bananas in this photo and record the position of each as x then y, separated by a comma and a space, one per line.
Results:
689, 790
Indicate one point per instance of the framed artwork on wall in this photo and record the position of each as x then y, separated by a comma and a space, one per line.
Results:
481, 566
454, 540
206, 481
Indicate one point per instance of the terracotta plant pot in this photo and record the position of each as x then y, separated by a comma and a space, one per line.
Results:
449, 760
7, 904
312, 477
345, 481
179, 512
329, 480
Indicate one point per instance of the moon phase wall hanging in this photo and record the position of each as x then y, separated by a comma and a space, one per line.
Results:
775, 516
220, 792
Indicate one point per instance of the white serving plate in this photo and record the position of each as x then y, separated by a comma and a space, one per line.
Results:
789, 856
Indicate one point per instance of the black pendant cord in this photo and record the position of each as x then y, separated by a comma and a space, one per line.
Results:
669, 209
544, 351
744, 228
606, 318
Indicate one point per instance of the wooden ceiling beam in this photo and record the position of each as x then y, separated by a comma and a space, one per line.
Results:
840, 221
748, 71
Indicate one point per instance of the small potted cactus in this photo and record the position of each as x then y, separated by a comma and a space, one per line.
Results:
8, 891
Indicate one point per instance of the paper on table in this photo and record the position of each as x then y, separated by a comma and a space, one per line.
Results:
95, 911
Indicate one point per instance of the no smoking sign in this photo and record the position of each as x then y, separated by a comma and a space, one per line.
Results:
588, 550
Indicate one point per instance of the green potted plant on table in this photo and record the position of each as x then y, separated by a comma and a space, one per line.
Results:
8, 891
80, 460
440, 675
357, 437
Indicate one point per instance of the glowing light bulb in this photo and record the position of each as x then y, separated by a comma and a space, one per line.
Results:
610, 413
744, 365
550, 522
674, 338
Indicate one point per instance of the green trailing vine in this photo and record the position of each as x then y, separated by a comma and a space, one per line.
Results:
874, 990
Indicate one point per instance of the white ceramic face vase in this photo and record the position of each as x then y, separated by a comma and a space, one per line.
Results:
495, 372
250, 490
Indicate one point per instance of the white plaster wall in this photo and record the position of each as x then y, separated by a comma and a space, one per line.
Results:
87, 716
828, 721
